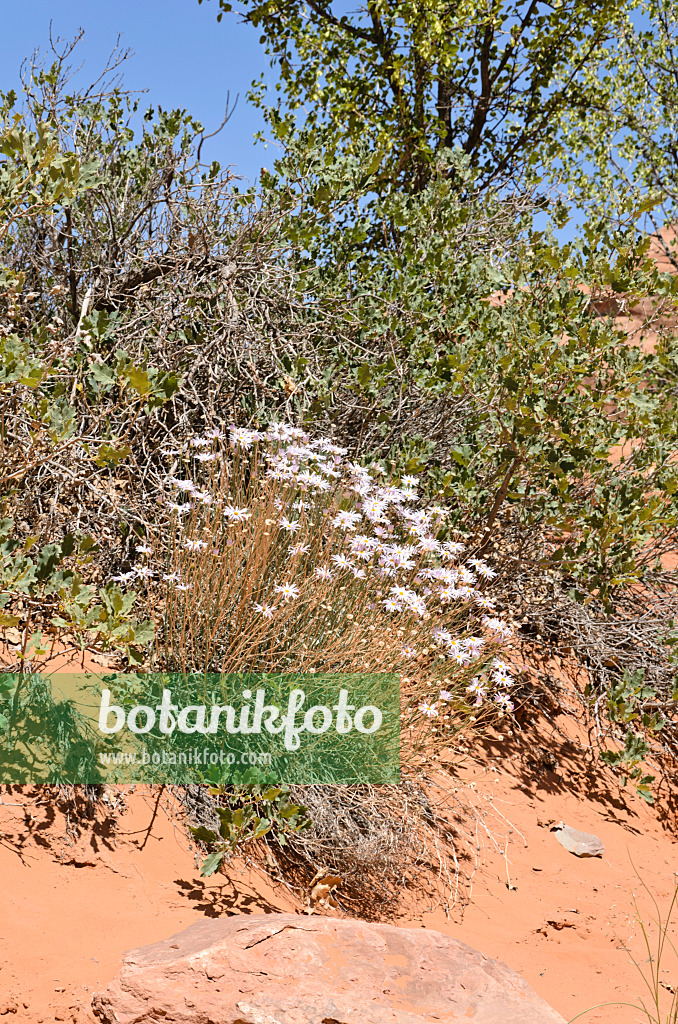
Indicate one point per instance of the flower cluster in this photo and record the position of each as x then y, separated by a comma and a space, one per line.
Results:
480, 687
499, 677
323, 531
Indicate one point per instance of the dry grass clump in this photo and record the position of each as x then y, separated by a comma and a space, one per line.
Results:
384, 844
276, 555
378, 840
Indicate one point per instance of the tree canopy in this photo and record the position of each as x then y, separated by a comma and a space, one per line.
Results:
492, 77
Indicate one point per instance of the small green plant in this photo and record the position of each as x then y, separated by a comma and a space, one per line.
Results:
249, 810
38, 581
654, 1010
625, 704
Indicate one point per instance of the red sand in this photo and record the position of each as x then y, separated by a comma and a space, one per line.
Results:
70, 908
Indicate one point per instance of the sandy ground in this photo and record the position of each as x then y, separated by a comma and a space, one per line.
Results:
70, 906
568, 925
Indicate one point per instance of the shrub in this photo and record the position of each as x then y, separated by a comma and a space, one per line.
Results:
279, 555
54, 429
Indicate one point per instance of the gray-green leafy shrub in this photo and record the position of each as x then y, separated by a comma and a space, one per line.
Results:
55, 421
626, 702
248, 810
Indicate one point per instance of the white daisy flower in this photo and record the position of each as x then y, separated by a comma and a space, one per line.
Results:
442, 636
237, 515
497, 626
241, 438
346, 520
265, 610
183, 485
181, 508
478, 690
375, 511
195, 545
502, 678
364, 554
124, 577
452, 548
475, 644
291, 525
143, 572
504, 702
486, 572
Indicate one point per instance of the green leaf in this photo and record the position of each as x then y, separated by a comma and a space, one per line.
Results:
111, 455
204, 835
365, 373
48, 559
211, 864
138, 380
289, 811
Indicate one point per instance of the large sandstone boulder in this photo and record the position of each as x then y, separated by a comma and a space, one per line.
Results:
288, 969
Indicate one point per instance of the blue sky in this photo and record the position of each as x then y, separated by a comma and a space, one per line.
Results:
182, 56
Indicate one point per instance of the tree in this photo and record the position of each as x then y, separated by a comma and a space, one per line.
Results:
620, 139
468, 346
411, 77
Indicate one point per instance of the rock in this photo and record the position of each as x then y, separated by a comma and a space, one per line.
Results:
294, 969
582, 844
